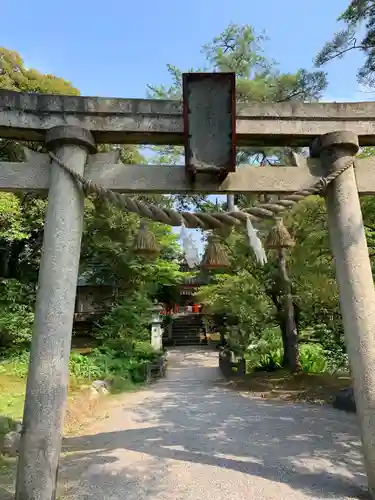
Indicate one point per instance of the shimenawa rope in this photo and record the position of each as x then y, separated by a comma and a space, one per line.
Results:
217, 220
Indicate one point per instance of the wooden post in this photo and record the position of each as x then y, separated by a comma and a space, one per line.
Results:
50, 350
355, 281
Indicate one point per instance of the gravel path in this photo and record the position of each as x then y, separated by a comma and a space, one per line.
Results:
188, 438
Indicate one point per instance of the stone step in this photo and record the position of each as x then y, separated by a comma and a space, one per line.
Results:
186, 337
186, 329
182, 333
187, 343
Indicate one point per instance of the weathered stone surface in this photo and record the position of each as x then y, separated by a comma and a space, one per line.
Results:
355, 282
101, 387
345, 401
54, 310
11, 443
34, 176
103, 391
101, 384
152, 121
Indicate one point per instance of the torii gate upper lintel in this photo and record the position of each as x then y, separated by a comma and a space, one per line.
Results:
71, 126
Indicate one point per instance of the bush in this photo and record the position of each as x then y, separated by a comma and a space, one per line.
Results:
124, 333
128, 320
267, 355
102, 363
15, 363
240, 300
16, 313
332, 343
313, 358
110, 362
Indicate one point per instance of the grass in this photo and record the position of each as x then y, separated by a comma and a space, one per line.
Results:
12, 395
86, 365
302, 387
80, 402
82, 409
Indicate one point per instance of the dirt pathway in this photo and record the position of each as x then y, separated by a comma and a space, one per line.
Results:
188, 437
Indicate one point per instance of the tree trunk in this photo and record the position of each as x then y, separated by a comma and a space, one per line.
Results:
5, 254
276, 296
284, 337
291, 333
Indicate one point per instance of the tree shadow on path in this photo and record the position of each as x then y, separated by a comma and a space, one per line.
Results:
190, 417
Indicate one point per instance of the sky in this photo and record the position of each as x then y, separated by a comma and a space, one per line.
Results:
117, 49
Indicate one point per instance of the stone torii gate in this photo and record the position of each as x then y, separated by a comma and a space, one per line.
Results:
207, 124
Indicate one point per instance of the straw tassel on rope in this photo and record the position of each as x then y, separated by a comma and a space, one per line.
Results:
145, 243
279, 236
215, 256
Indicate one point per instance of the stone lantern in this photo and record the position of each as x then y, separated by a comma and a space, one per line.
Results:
156, 328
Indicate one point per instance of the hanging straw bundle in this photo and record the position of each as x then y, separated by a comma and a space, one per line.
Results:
279, 236
215, 256
145, 243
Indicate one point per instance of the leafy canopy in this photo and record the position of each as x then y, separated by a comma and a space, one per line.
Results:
358, 33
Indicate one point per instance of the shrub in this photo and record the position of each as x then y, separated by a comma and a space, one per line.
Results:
107, 363
16, 313
267, 354
15, 363
128, 320
102, 363
313, 358
246, 307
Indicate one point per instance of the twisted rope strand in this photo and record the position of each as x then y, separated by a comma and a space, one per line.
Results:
217, 220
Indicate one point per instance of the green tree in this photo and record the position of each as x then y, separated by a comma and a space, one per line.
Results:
23, 215
238, 296
358, 33
239, 49
258, 79
107, 246
14, 76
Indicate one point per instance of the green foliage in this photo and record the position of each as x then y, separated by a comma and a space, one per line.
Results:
11, 221
266, 354
126, 349
108, 255
16, 313
311, 264
107, 246
15, 364
358, 33
106, 363
14, 76
313, 358
238, 296
128, 320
